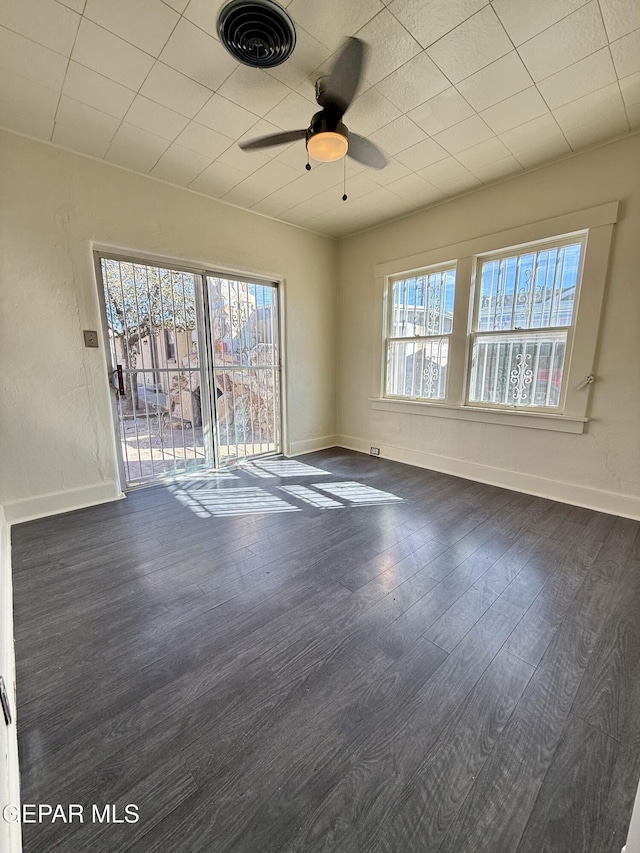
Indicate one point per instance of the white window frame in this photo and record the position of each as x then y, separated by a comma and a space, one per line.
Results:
389, 339
598, 224
474, 312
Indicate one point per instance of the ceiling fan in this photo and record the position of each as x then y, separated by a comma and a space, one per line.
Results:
327, 138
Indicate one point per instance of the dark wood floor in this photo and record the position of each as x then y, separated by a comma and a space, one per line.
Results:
459, 671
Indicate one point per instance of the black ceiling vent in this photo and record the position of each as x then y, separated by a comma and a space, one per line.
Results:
257, 32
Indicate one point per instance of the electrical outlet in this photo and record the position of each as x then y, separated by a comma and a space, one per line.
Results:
90, 338
374, 451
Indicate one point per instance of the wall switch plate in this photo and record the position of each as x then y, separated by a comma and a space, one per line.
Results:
90, 338
374, 451
4, 700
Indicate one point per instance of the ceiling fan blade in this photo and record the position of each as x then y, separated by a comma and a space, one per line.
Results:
365, 152
345, 75
273, 139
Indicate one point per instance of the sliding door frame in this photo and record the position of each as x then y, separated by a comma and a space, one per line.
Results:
204, 319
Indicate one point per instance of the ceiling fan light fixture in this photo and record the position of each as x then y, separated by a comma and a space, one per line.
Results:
327, 138
327, 146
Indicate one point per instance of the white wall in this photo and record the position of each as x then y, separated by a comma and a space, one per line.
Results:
56, 441
600, 468
633, 839
10, 841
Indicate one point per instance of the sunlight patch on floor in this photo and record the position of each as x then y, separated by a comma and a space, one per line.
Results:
258, 472
283, 468
356, 493
310, 497
206, 503
192, 482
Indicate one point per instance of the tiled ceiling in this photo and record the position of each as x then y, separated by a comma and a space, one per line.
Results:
458, 93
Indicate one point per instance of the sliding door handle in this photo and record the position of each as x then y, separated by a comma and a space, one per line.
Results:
121, 389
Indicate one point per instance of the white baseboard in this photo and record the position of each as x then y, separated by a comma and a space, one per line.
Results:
296, 448
10, 835
613, 503
28, 509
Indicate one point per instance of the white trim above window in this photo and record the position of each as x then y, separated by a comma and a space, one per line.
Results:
567, 339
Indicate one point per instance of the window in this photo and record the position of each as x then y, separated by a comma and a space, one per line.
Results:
170, 339
523, 317
420, 317
499, 328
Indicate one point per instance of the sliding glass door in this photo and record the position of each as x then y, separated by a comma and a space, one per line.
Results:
244, 330
194, 365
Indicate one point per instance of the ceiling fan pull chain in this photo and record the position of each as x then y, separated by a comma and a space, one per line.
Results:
344, 180
308, 166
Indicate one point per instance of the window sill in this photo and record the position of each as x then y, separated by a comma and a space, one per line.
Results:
530, 420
